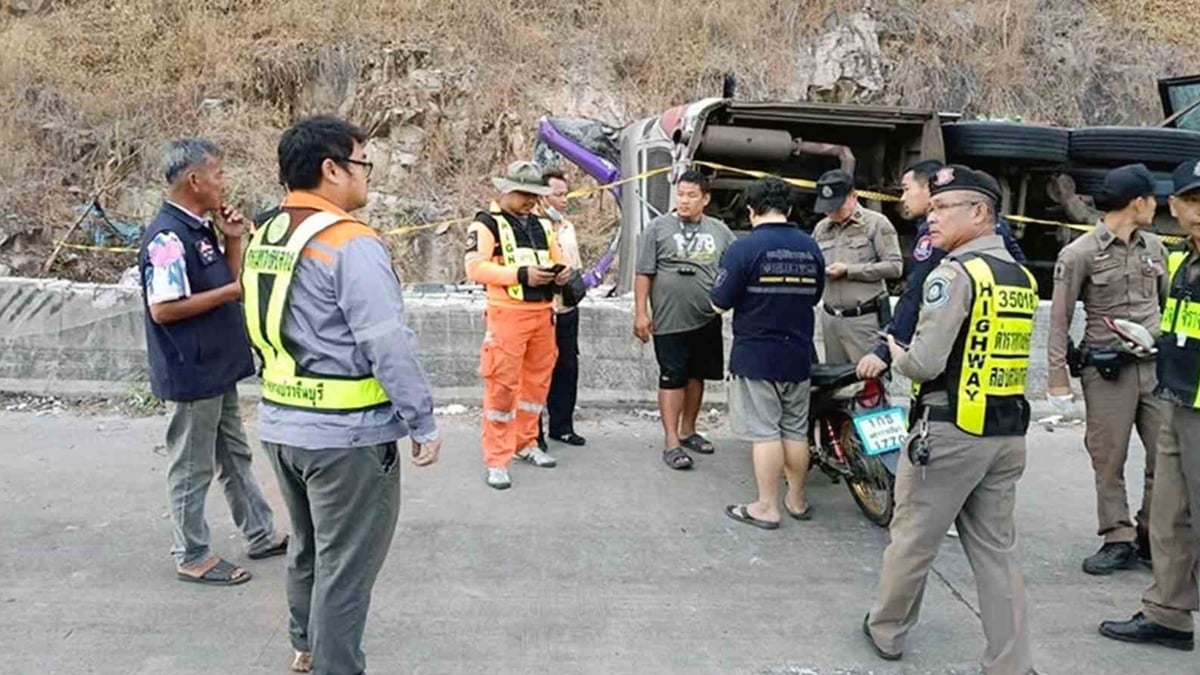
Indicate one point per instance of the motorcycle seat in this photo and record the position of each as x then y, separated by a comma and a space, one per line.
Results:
825, 376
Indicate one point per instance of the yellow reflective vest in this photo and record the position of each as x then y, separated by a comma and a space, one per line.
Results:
268, 267
986, 372
1179, 345
520, 248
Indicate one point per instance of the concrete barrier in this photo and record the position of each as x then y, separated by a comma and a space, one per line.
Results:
58, 337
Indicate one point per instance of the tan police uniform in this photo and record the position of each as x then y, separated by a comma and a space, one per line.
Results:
868, 246
970, 380
1121, 281
1175, 513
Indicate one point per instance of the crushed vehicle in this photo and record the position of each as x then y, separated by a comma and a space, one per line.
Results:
1048, 174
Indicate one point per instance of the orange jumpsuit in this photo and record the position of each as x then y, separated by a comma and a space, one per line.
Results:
519, 349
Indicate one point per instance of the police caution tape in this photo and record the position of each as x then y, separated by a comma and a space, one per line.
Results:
405, 230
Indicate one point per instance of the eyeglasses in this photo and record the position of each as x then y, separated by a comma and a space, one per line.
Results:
938, 208
368, 166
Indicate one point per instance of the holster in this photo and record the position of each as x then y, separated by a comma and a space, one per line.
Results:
1075, 359
1107, 362
884, 301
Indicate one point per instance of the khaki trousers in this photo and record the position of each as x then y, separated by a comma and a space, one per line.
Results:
1174, 525
1113, 409
969, 481
847, 339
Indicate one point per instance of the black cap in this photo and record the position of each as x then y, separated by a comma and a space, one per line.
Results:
832, 189
959, 177
1123, 185
1186, 177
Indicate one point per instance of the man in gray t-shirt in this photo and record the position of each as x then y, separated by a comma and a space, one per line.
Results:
676, 269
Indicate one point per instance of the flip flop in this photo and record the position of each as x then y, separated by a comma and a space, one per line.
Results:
698, 443
739, 513
806, 514
277, 549
220, 574
677, 459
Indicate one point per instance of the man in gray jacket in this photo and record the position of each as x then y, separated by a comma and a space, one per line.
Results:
341, 384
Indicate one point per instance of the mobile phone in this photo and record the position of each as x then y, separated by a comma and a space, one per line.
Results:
883, 335
555, 269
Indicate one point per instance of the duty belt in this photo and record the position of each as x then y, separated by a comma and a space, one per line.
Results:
938, 413
869, 307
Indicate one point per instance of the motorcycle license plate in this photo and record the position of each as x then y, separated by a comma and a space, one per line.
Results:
882, 431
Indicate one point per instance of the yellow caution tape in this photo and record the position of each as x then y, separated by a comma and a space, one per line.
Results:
585, 191
798, 182
590, 190
409, 229
106, 249
1078, 227
801, 182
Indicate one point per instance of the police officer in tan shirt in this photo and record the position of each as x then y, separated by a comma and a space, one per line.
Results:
1119, 272
1168, 605
861, 252
970, 356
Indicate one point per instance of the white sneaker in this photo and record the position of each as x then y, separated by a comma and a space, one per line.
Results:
537, 457
497, 477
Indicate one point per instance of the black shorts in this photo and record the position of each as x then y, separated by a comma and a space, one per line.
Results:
697, 354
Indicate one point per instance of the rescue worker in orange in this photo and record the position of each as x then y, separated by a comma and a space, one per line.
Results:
516, 256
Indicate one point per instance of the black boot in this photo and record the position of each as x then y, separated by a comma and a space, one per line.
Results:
1143, 547
541, 439
1113, 556
1139, 629
1110, 558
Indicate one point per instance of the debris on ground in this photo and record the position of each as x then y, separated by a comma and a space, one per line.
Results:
451, 410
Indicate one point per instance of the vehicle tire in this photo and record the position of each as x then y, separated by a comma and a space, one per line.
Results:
1028, 143
870, 483
1156, 147
1090, 181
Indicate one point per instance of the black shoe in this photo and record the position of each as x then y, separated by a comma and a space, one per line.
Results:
570, 438
1110, 558
1139, 629
886, 656
1143, 548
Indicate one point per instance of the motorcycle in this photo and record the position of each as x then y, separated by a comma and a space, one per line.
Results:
855, 435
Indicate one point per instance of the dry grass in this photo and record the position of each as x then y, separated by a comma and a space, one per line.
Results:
92, 82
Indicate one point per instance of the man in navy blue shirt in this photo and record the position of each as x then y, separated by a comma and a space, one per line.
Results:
772, 280
915, 202
198, 350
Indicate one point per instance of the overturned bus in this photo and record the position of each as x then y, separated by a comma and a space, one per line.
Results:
1048, 174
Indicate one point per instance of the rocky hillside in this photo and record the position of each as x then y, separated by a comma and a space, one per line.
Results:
451, 89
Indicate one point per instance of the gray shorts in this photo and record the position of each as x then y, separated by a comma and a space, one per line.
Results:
763, 410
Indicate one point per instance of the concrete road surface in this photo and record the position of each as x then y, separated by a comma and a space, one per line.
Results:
610, 563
